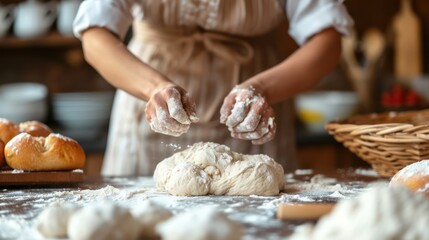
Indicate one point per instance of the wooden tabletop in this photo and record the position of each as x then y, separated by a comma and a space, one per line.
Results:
20, 206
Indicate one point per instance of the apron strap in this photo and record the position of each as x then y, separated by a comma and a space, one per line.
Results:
232, 49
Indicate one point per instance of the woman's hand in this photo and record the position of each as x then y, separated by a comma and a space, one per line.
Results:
248, 115
170, 110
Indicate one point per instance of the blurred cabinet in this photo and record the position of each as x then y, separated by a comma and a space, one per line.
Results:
51, 40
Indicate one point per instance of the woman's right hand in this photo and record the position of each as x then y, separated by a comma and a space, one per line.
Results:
170, 110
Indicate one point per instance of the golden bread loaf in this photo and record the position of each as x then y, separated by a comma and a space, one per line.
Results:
414, 176
54, 152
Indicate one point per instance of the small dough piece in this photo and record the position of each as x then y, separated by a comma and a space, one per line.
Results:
201, 223
35, 128
150, 214
380, 212
103, 221
211, 168
55, 152
414, 176
52, 222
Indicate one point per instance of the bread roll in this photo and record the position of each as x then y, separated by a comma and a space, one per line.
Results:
414, 176
8, 130
35, 128
55, 152
2, 160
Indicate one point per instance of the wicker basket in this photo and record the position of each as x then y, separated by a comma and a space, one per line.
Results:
388, 141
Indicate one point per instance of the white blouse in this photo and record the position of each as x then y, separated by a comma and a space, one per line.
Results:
306, 17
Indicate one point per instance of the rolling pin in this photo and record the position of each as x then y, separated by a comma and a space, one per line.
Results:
303, 211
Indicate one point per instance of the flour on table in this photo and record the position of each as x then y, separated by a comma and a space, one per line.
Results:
108, 192
201, 223
366, 172
210, 168
378, 213
320, 178
304, 171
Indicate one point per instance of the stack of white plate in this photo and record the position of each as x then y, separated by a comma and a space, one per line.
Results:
20, 102
82, 114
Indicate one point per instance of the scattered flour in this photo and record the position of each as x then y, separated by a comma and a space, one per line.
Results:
322, 179
366, 172
17, 171
304, 171
102, 193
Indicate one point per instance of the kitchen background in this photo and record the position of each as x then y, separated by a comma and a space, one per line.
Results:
384, 66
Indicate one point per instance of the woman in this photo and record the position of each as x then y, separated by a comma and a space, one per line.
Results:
194, 66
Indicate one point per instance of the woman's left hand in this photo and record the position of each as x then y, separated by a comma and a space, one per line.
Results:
248, 116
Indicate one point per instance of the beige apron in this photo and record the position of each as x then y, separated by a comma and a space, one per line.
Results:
206, 47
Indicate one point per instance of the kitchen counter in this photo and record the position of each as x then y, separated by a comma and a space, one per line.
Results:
19, 206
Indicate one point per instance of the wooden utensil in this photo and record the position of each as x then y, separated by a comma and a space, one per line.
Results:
306, 211
356, 73
363, 77
407, 43
373, 46
352, 67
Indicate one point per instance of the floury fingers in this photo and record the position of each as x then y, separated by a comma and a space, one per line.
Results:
248, 115
171, 111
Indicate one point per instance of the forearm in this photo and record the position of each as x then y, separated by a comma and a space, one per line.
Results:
302, 70
110, 57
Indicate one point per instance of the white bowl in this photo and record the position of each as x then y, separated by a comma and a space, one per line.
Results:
21, 102
315, 109
82, 109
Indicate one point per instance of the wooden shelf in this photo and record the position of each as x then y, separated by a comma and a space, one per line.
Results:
53, 39
6, 2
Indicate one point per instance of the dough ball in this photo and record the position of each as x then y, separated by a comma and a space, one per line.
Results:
414, 176
103, 221
52, 222
378, 213
210, 168
150, 214
202, 223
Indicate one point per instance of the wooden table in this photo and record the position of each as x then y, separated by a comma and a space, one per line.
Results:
19, 206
